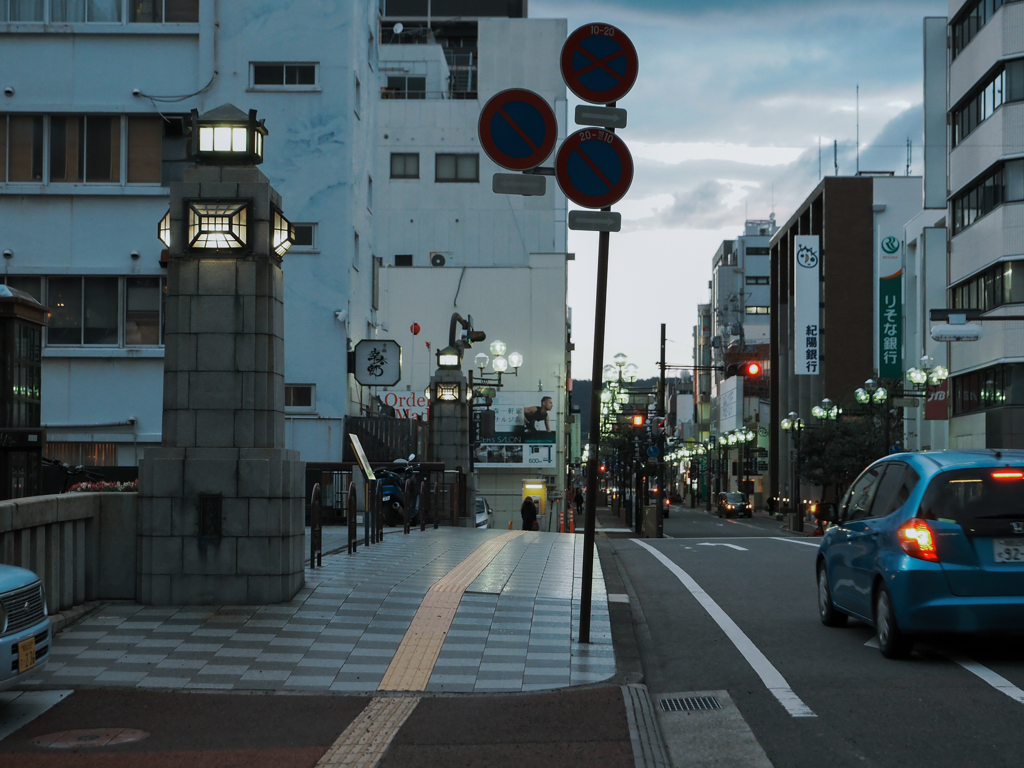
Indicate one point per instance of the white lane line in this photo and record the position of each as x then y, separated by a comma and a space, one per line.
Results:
872, 643
719, 544
797, 541
770, 676
994, 679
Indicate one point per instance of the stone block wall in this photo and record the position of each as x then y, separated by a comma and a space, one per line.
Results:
258, 556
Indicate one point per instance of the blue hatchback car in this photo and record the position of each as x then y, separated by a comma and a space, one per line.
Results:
929, 542
24, 625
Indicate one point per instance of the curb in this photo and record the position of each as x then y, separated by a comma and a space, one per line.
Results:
621, 616
63, 619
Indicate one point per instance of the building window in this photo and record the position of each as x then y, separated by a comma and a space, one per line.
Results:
375, 282
143, 304
85, 454
750, 280
1007, 85
403, 259
405, 87
369, 193
100, 11
299, 398
30, 285
166, 11
95, 311
971, 19
1003, 185
90, 149
458, 168
991, 288
281, 75
305, 238
355, 251
756, 250
990, 387
405, 165
757, 310
71, 11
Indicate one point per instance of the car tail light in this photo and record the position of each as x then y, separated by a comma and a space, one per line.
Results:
917, 541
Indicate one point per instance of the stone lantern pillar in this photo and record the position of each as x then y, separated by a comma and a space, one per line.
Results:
221, 517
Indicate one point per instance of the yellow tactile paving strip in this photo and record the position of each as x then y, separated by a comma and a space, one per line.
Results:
365, 741
413, 662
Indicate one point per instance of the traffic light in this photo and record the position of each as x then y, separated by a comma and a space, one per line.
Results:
750, 369
472, 336
658, 426
638, 420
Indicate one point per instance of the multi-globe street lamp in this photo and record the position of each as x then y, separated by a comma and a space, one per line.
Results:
794, 425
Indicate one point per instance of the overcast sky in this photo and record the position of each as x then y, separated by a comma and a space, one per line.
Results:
725, 121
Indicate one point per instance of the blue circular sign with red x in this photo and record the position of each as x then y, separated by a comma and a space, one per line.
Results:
517, 129
594, 168
599, 63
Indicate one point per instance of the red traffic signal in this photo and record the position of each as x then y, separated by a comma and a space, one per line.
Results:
751, 369
638, 420
473, 336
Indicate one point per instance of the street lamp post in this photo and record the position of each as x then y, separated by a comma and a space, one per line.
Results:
795, 425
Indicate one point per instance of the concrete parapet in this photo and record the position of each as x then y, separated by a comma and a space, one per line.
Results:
82, 545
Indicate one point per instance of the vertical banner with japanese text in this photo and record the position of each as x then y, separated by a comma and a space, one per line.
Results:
890, 308
806, 304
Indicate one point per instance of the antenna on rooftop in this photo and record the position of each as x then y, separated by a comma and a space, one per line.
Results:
835, 155
858, 128
910, 149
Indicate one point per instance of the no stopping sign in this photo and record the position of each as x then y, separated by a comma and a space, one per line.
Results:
594, 168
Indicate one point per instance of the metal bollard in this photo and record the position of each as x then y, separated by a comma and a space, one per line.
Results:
353, 541
424, 503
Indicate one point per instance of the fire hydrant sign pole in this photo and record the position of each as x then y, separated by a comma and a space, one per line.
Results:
594, 169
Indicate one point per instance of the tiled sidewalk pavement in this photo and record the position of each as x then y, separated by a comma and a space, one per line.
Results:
514, 628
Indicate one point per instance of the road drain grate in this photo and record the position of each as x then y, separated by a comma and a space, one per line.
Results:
690, 704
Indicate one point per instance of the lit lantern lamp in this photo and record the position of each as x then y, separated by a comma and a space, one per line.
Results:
163, 229
217, 225
226, 135
283, 233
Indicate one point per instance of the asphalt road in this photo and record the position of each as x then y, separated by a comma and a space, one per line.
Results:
867, 710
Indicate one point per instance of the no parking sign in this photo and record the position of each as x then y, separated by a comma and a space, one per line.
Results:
517, 129
594, 168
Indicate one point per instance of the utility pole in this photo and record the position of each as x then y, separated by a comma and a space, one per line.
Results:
662, 495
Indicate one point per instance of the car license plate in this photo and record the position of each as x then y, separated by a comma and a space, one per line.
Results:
26, 655
1008, 550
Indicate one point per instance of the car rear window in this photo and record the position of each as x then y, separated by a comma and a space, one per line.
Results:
980, 499
735, 498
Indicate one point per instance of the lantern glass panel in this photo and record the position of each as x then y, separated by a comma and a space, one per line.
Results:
164, 229
217, 225
284, 234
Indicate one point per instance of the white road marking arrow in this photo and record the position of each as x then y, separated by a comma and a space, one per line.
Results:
732, 546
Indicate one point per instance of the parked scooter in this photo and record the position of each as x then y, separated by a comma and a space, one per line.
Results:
393, 491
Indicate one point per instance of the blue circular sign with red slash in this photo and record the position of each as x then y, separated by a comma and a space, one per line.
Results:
594, 168
599, 63
517, 129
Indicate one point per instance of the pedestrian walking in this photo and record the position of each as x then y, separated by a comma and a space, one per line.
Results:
578, 501
529, 514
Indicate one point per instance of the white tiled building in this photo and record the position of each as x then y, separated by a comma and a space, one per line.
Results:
986, 218
91, 132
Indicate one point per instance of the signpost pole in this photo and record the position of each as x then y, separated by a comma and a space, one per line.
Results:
597, 384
